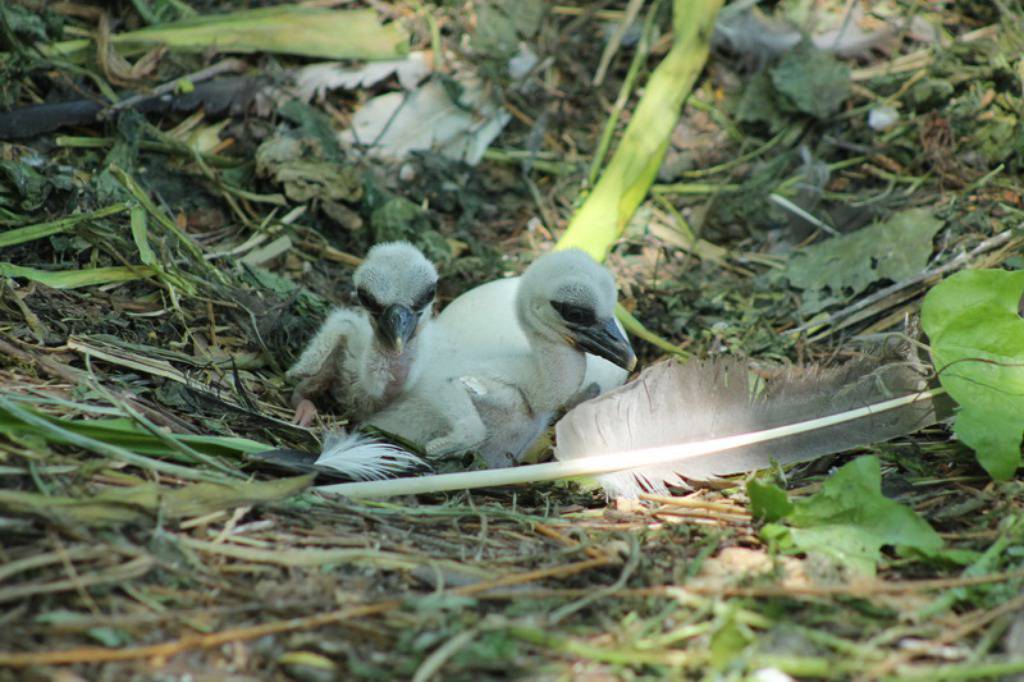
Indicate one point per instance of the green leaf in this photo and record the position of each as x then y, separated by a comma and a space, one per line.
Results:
30, 185
894, 250
977, 341
728, 643
813, 80
502, 24
850, 520
140, 236
768, 502
758, 103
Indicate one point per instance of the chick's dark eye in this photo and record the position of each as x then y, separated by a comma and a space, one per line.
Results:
425, 298
574, 314
367, 300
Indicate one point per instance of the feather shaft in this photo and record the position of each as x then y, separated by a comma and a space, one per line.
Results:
615, 462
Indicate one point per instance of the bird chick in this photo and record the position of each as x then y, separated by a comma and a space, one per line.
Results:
496, 398
363, 357
485, 315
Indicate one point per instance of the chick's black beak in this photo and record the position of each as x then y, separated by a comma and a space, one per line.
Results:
605, 340
396, 325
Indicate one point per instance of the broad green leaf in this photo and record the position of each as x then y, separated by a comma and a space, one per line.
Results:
814, 81
844, 266
759, 103
285, 29
626, 180
850, 520
767, 501
977, 340
729, 641
73, 279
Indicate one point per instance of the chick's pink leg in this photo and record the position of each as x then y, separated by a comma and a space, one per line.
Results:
305, 413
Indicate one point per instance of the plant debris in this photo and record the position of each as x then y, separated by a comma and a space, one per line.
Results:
176, 222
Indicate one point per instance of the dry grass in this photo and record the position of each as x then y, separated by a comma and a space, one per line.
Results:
136, 548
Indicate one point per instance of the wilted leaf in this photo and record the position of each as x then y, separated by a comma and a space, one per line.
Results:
134, 504
395, 124
814, 81
69, 510
204, 498
287, 161
894, 249
316, 79
850, 520
976, 332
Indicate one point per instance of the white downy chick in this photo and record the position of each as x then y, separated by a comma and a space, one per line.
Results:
362, 358
495, 398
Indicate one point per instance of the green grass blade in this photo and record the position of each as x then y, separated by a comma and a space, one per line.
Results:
636, 328
74, 279
32, 232
21, 420
140, 236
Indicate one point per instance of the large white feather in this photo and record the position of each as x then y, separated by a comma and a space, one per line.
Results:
673, 404
710, 418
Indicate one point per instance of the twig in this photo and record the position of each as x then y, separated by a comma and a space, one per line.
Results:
231, 65
132, 569
612, 46
695, 504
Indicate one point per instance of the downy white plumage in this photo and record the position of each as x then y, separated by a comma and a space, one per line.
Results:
486, 318
493, 399
362, 358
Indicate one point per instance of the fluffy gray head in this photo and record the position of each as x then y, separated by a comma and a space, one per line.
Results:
396, 285
566, 297
396, 273
564, 281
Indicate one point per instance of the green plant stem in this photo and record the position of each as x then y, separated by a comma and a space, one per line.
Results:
626, 180
165, 148
40, 230
643, 48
